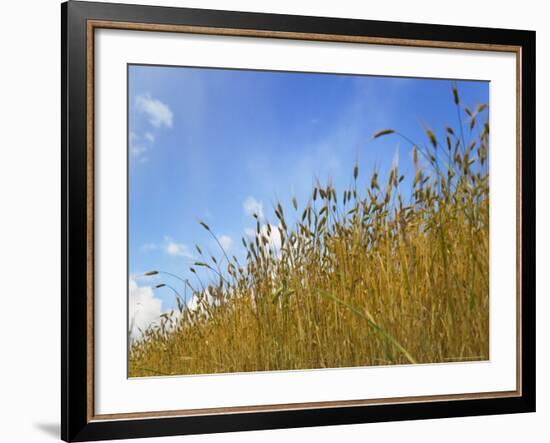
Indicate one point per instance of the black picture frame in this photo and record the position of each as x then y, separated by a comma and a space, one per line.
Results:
76, 423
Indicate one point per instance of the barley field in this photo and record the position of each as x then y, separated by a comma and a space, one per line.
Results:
383, 272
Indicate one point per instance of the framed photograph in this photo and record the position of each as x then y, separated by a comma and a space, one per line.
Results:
277, 221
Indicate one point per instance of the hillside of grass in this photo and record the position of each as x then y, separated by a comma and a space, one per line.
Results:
369, 275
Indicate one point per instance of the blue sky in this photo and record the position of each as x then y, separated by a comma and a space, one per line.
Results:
217, 144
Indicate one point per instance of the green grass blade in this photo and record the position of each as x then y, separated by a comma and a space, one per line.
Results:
372, 324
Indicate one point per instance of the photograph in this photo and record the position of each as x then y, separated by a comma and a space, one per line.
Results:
282, 220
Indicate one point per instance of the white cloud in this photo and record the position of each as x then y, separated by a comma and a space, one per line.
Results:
136, 146
151, 246
226, 241
144, 309
139, 145
170, 247
176, 249
193, 302
149, 136
159, 113
272, 233
252, 206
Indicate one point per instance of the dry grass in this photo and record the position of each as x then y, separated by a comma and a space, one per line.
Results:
364, 276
